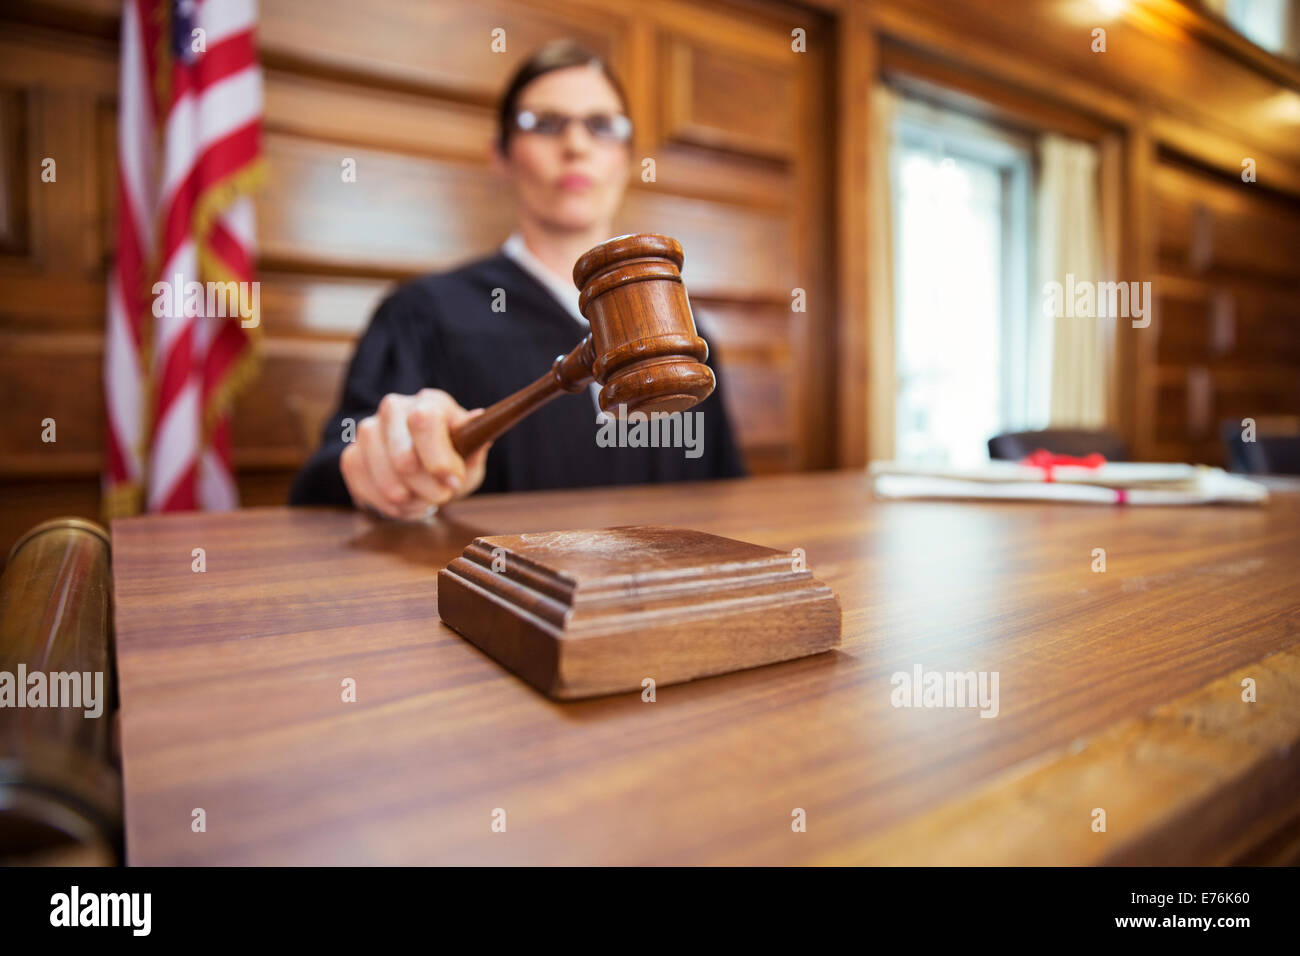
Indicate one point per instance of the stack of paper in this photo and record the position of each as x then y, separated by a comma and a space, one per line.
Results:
1133, 483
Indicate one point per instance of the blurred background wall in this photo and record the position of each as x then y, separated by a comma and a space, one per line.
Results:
779, 168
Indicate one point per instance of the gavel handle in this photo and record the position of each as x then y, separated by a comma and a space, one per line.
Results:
570, 373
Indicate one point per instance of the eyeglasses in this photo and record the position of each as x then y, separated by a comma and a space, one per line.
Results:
609, 127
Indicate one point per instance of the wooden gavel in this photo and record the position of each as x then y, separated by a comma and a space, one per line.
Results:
643, 348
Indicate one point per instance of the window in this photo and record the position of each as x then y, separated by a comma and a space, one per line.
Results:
962, 286
1266, 23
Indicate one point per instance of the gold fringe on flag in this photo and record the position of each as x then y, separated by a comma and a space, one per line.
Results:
216, 199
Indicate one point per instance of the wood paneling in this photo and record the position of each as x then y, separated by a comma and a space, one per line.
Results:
734, 252
1227, 317
404, 214
338, 111
441, 46
1232, 321
1215, 227
15, 239
726, 101
319, 306
279, 422
56, 377
753, 342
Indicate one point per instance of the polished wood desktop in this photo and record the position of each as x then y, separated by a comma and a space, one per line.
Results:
1119, 690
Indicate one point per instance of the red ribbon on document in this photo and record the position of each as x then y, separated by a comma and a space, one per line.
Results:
1047, 461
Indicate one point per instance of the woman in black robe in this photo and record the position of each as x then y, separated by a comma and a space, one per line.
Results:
463, 339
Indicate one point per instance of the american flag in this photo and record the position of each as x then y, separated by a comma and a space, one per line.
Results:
188, 146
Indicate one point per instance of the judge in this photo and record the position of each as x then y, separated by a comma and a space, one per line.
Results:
442, 347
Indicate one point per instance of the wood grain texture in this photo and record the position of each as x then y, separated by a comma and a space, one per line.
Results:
581, 613
1226, 345
230, 680
1173, 785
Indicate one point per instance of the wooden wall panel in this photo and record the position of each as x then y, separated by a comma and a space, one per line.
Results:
1227, 317
403, 215
1208, 225
319, 306
338, 111
728, 102
753, 342
279, 422
53, 87
1228, 320
1262, 322
55, 377
406, 214
442, 46
15, 237
736, 252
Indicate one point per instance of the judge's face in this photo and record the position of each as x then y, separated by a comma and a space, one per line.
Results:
573, 181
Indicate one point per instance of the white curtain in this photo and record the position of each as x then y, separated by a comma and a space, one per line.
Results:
882, 384
1069, 243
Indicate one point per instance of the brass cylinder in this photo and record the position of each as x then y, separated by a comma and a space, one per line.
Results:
60, 790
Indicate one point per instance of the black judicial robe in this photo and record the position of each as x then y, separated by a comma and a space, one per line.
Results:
440, 331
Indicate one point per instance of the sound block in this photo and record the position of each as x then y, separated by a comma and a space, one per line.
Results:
584, 613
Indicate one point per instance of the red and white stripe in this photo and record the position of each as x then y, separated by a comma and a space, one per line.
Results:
183, 130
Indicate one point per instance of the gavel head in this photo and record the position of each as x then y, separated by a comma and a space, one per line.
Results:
648, 356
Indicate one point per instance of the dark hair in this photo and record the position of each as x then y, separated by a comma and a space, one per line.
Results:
556, 55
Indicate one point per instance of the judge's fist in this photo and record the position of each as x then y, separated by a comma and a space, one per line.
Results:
403, 462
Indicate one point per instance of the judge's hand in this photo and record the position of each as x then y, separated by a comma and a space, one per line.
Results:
403, 462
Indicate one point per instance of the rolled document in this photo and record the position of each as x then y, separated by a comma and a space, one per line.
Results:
1131, 483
